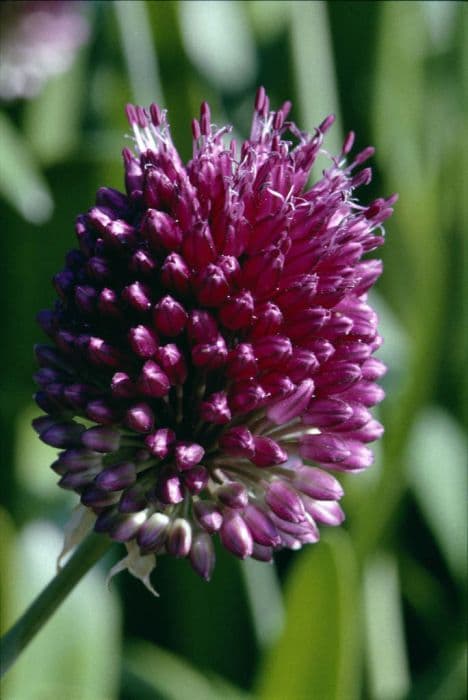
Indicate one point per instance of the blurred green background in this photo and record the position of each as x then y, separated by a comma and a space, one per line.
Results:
376, 609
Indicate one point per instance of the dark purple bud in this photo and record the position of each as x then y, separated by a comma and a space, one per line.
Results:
293, 405
126, 527
262, 553
241, 363
102, 439
208, 515
198, 247
173, 363
235, 535
261, 272
143, 341
272, 351
179, 539
140, 418
215, 409
64, 282
268, 320
153, 381
122, 386
302, 364
85, 298
285, 502
238, 442
169, 317
175, 274
237, 312
119, 234
210, 356
47, 321
188, 454
62, 434
152, 534
117, 477
101, 353
162, 231
201, 327
211, 286
94, 497
261, 526
363, 392
142, 264
202, 555
77, 481
99, 269
112, 199
246, 396
100, 411
108, 304
133, 499
160, 442
317, 484
267, 452
233, 495
137, 295
337, 376
169, 488
324, 448
276, 384
43, 423
196, 479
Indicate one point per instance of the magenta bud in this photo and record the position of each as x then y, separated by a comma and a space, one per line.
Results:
363, 392
302, 364
77, 459
238, 442
76, 481
47, 375
152, 534
117, 477
246, 396
179, 539
202, 555
202, 328
271, 351
262, 553
215, 409
162, 231
208, 515
198, 247
335, 377
292, 405
137, 296
102, 439
327, 512
160, 442
210, 356
175, 274
85, 298
241, 363
324, 447
211, 286
317, 484
122, 386
267, 321
233, 495
142, 264
94, 497
235, 535
99, 269
261, 526
169, 317
261, 272
133, 499
169, 488
327, 413
173, 363
285, 502
196, 479
108, 304
100, 411
62, 434
153, 381
101, 353
277, 384
126, 527
188, 454
237, 311
140, 418
143, 341
267, 452
373, 430
373, 369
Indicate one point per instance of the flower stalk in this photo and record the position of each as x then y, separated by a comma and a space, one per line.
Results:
47, 602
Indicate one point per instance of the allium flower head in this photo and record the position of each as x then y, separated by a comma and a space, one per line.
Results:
213, 329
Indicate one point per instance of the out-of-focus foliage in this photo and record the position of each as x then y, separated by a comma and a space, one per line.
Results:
375, 612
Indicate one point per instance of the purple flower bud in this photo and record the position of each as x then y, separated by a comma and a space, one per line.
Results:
233, 495
242, 363
293, 405
102, 439
211, 286
261, 526
210, 356
272, 351
196, 479
317, 483
101, 411
173, 363
302, 364
140, 418
327, 413
137, 296
324, 448
77, 459
267, 452
117, 477
238, 442
198, 247
188, 454
175, 274
237, 311
62, 434
208, 515
216, 409
133, 499
179, 539
153, 381
262, 553
285, 502
162, 231
246, 396
202, 555
169, 317
327, 512
267, 321
143, 341
160, 442
202, 328
122, 386
235, 535
169, 488
102, 353
127, 526
152, 534
95, 497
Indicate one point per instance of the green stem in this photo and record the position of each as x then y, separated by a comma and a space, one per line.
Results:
17, 638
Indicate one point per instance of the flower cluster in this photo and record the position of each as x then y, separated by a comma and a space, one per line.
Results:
213, 327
